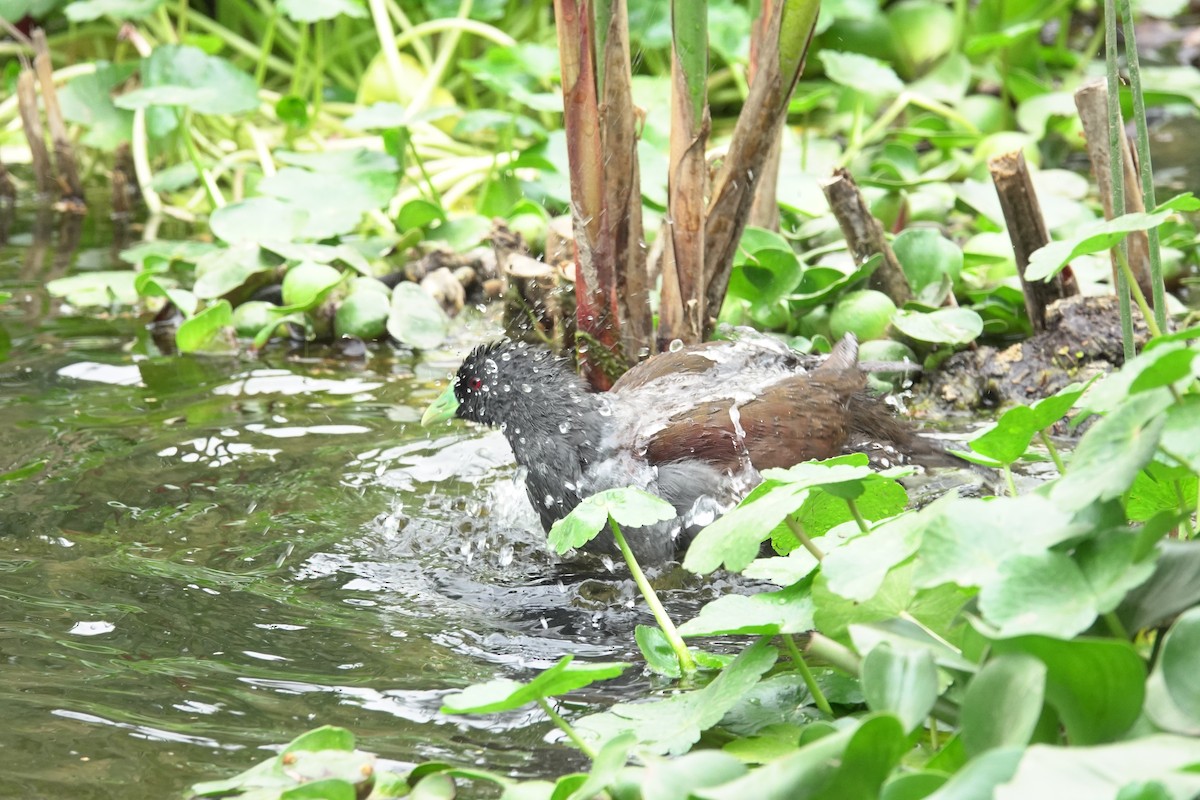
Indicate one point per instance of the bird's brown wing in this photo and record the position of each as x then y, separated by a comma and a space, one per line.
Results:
797, 419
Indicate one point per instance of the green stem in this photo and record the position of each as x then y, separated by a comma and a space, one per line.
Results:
298, 77
140, 151
1144, 166
1116, 626
566, 728
796, 528
1183, 507
933, 733
1116, 167
1053, 451
1139, 298
802, 667
863, 525
834, 654
686, 663
206, 178
181, 20
1008, 480
268, 41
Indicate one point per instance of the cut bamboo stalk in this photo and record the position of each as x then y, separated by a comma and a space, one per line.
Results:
764, 213
1027, 232
864, 236
1092, 102
64, 151
39, 156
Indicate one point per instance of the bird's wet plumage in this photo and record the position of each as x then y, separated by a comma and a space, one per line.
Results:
694, 426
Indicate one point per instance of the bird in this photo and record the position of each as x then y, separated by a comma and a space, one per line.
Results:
695, 425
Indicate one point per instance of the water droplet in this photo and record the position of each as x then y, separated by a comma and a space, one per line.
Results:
508, 387
526, 388
676, 345
564, 427
506, 356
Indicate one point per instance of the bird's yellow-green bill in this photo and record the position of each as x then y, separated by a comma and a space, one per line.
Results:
441, 409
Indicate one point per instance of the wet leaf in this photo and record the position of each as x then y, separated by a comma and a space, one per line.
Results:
317, 10
927, 258
87, 101
628, 506
1173, 588
673, 725
504, 694
363, 314
789, 610
660, 658
335, 203
902, 682
1003, 703
416, 319
1052, 773
1163, 366
100, 288
1007, 440
225, 269
944, 326
980, 777
195, 333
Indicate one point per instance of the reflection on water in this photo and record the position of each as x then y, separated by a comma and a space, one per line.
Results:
203, 557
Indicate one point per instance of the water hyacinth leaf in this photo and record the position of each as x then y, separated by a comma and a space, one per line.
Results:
1046, 772
1038, 593
1003, 703
203, 83
656, 649
966, 541
901, 682
861, 73
856, 569
419, 213
504, 694
148, 286
335, 202
1173, 587
765, 277
462, 233
734, 538
194, 334
800, 774
1162, 366
416, 319
913, 785
1095, 685
680, 778
927, 258
1048, 261
225, 269
876, 497
944, 326
673, 725
88, 10
87, 101
1177, 665
436, 786
168, 250
306, 284
789, 610
628, 506
874, 749
258, 219
1009, 438
320, 253
100, 288
980, 777
1113, 451
897, 595
317, 10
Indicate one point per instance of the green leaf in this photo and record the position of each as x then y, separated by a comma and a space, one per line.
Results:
504, 694
182, 75
927, 258
307, 284
317, 10
258, 219
100, 288
462, 233
416, 319
874, 749
628, 506
902, 682
1053, 773
979, 778
322, 789
789, 610
1039, 593
857, 569
419, 214
801, 774
613, 756
673, 725
195, 333
1048, 261
861, 73
1162, 366
87, 101
904, 636
1009, 438
680, 778
335, 202
656, 649
88, 10
1003, 703
1112, 452
225, 269
944, 326
1095, 685
1173, 587
1180, 680
326, 737
734, 538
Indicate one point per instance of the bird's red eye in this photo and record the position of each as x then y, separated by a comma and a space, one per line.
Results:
475, 384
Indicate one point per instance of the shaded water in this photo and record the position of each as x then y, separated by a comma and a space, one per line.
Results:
202, 557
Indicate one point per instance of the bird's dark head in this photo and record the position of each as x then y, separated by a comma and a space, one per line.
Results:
500, 380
